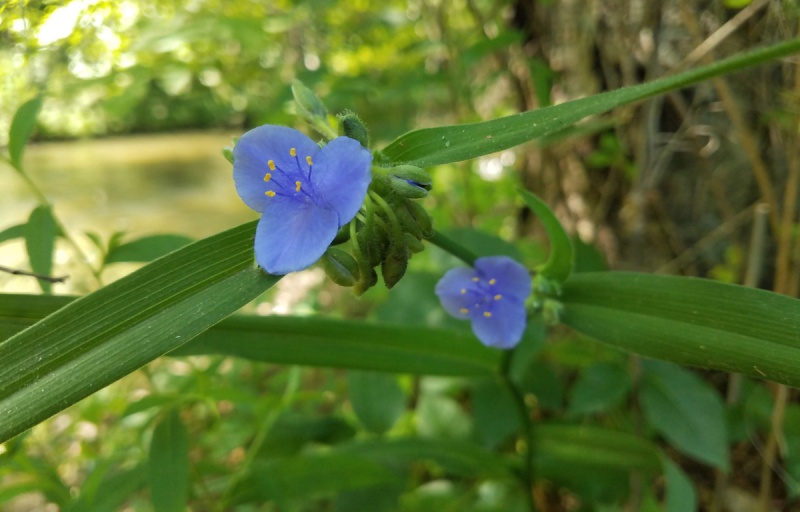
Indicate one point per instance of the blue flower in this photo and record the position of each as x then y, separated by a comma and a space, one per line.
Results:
305, 193
492, 295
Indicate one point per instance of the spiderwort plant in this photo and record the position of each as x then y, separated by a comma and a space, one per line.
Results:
492, 296
305, 193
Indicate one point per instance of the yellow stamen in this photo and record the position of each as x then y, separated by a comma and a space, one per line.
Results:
297, 186
308, 159
475, 279
464, 311
463, 291
293, 152
267, 177
492, 281
271, 165
487, 314
270, 193
498, 297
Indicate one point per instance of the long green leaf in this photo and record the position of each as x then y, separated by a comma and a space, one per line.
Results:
559, 264
168, 464
108, 334
433, 146
311, 341
40, 241
689, 321
21, 129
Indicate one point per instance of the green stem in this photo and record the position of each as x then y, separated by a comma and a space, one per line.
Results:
527, 475
453, 247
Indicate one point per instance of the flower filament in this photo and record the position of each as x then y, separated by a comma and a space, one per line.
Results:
282, 177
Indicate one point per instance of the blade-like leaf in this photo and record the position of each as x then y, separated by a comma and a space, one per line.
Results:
687, 411
146, 248
433, 146
377, 399
40, 240
680, 493
108, 334
11, 233
559, 264
689, 321
21, 128
168, 464
312, 341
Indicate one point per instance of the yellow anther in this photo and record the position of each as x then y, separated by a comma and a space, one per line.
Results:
463, 291
297, 186
498, 297
267, 177
475, 279
271, 165
487, 314
464, 311
293, 152
492, 281
270, 193
308, 159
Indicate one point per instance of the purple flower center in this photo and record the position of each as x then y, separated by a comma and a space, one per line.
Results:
294, 183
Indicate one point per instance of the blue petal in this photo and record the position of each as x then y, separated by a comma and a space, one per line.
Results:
256, 148
341, 175
512, 279
504, 328
449, 290
292, 235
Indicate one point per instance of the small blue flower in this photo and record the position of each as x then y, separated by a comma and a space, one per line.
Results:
305, 193
492, 295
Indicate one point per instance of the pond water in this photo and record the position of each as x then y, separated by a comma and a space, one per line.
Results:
144, 184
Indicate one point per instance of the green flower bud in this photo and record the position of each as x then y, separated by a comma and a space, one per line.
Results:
350, 125
409, 181
310, 104
369, 278
421, 217
342, 235
227, 152
394, 265
414, 245
340, 267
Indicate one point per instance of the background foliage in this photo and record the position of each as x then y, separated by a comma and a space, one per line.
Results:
699, 182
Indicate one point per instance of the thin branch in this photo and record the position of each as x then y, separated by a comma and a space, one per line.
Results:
41, 277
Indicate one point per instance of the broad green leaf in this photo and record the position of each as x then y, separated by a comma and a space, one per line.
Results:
599, 388
108, 334
687, 411
21, 129
440, 416
680, 494
312, 341
494, 411
689, 321
559, 264
309, 476
40, 239
377, 399
11, 233
168, 464
146, 249
292, 431
440, 145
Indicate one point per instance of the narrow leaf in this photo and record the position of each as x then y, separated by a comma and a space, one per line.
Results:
559, 264
11, 233
684, 409
689, 321
40, 239
168, 464
377, 399
21, 129
146, 249
599, 388
680, 495
433, 146
108, 334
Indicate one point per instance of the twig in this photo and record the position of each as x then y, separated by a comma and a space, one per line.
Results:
41, 277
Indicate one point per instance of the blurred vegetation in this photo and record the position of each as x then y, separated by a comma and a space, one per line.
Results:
670, 186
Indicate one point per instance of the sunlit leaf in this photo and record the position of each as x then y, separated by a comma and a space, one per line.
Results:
40, 239
146, 248
21, 129
444, 144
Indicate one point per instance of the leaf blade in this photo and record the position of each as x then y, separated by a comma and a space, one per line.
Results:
22, 126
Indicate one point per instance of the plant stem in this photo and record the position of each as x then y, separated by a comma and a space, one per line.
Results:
454, 248
527, 476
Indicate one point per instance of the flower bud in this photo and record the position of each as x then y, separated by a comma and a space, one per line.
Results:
409, 181
227, 152
413, 244
394, 265
342, 235
310, 104
368, 279
350, 125
340, 267
421, 217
